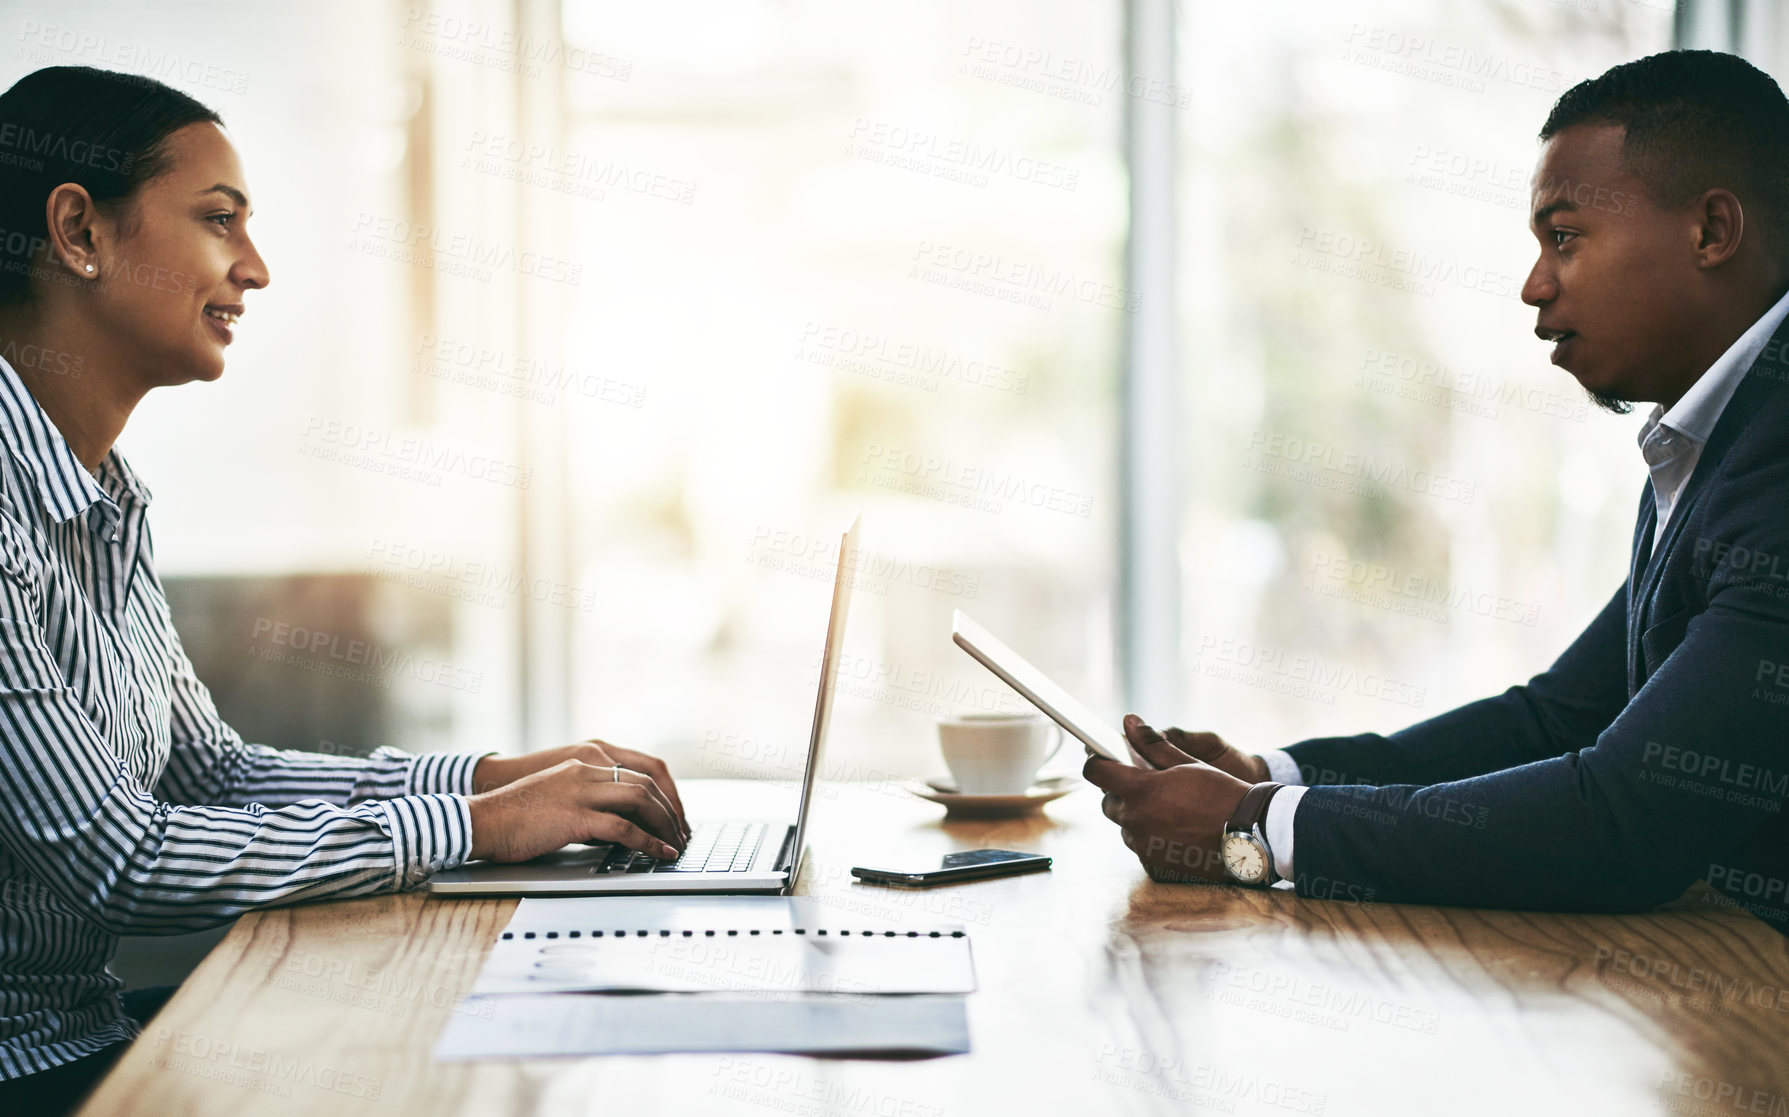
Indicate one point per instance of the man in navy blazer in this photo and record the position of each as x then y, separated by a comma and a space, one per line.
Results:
1655, 751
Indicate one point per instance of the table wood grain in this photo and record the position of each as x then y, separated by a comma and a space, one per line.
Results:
1100, 992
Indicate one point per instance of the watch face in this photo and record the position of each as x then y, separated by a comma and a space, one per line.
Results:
1245, 860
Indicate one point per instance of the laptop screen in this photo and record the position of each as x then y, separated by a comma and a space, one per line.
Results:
829, 670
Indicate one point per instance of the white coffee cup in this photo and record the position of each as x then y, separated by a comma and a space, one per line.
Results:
997, 754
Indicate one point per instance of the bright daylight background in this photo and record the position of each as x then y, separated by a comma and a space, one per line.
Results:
589, 329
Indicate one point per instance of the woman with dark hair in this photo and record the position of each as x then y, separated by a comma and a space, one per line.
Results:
127, 806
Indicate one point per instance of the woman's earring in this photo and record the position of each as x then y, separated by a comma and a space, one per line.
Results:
89, 267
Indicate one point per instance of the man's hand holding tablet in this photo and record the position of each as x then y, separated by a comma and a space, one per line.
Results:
1171, 815
1172, 804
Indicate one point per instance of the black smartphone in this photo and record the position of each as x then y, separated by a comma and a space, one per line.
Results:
970, 864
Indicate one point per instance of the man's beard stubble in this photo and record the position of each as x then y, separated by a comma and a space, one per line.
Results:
1612, 404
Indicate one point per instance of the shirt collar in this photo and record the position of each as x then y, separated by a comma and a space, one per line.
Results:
1700, 408
120, 481
64, 486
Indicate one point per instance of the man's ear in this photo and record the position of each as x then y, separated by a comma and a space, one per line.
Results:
1720, 226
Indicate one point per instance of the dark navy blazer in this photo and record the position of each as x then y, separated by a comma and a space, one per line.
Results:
1652, 754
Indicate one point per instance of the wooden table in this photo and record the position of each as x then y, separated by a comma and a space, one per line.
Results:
1101, 992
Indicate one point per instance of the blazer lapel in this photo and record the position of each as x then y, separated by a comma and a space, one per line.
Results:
1637, 566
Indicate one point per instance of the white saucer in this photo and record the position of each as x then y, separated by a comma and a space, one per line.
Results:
945, 793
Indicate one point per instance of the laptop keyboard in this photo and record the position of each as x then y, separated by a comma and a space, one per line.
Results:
714, 847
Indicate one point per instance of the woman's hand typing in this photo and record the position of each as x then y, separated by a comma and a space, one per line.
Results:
573, 800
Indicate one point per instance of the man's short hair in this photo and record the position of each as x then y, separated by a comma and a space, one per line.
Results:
1695, 120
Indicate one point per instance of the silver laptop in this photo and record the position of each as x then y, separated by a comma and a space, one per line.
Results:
744, 855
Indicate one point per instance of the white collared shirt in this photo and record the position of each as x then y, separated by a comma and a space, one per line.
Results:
1671, 442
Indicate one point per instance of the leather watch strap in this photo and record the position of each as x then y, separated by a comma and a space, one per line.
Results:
1253, 807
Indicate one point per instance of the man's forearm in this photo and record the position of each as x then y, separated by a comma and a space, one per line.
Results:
1614, 827
1560, 710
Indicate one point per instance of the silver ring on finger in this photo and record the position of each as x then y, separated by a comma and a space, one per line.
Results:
617, 772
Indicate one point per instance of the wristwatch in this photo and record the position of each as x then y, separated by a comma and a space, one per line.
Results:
1247, 857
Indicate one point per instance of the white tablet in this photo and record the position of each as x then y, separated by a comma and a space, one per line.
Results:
1100, 739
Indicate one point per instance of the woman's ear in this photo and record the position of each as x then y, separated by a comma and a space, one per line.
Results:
78, 231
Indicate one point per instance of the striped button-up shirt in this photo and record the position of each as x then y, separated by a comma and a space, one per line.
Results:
127, 806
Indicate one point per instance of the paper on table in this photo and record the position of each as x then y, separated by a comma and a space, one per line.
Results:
541, 1025
702, 944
